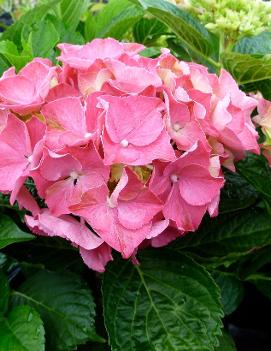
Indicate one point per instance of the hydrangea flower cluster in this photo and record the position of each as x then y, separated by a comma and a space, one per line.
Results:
124, 150
235, 18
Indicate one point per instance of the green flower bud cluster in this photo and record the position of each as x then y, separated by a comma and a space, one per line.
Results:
234, 18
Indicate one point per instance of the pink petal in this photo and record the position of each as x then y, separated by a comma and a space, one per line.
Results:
83, 56
66, 227
26, 201
97, 258
160, 149
142, 123
186, 217
197, 187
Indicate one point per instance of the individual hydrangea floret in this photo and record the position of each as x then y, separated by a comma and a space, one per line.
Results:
125, 151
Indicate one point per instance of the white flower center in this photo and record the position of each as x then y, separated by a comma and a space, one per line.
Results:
124, 143
176, 127
109, 203
87, 135
30, 158
74, 175
174, 178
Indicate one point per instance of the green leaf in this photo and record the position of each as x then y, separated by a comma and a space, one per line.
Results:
228, 236
3, 65
71, 12
232, 290
4, 292
237, 193
90, 27
192, 33
254, 262
147, 30
65, 35
50, 253
116, 18
167, 303
150, 52
256, 171
22, 330
10, 233
9, 50
264, 86
65, 305
262, 283
43, 38
247, 68
31, 17
259, 44
178, 49
226, 343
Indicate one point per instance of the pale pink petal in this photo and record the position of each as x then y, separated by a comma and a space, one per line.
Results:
97, 258
26, 201
65, 227
158, 228
83, 56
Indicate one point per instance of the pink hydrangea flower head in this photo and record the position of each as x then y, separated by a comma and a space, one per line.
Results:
125, 151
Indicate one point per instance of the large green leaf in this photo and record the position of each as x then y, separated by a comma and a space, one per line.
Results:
10, 233
31, 17
90, 27
51, 253
167, 303
262, 282
22, 330
71, 12
116, 18
65, 305
4, 292
237, 193
147, 30
256, 171
247, 68
232, 290
228, 236
226, 343
192, 33
254, 262
43, 38
65, 35
258, 44
4, 65
9, 50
